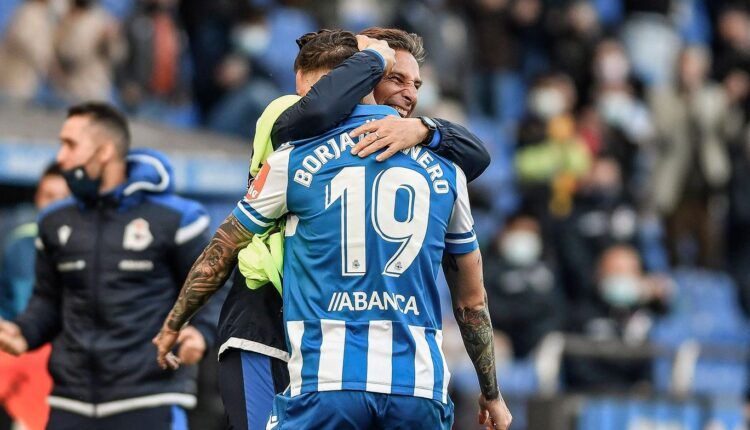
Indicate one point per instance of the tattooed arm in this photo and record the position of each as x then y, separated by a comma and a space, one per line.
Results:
208, 274
464, 276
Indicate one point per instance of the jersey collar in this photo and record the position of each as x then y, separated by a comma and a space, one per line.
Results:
370, 110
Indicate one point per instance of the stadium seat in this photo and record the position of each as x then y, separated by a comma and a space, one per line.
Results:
626, 414
706, 310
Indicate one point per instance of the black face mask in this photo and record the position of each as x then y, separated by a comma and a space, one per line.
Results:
83, 188
83, 4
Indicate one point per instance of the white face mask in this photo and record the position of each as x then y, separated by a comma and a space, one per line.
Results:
620, 291
521, 248
547, 102
252, 39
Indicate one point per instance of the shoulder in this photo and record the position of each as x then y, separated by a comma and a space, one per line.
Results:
56, 208
189, 210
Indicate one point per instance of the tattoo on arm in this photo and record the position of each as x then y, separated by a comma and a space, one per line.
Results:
476, 331
210, 271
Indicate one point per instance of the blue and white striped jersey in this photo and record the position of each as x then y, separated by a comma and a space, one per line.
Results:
364, 241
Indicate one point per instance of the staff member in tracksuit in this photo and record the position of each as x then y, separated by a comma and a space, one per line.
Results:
110, 262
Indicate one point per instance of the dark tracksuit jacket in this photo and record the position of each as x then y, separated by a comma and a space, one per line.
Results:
107, 274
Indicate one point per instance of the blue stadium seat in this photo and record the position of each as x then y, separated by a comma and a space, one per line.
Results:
705, 309
623, 414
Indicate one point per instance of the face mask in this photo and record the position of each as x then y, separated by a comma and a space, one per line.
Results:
83, 4
81, 185
521, 248
547, 102
252, 39
620, 291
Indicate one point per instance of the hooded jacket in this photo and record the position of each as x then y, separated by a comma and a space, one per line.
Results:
107, 274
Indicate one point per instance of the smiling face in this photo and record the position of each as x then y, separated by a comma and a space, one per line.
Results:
399, 89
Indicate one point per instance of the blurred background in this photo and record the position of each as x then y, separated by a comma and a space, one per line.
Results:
614, 218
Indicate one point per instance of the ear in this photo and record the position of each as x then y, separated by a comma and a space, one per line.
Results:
108, 152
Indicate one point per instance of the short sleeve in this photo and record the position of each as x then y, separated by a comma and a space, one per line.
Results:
460, 237
265, 200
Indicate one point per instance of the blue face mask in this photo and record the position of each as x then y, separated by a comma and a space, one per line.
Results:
620, 291
81, 185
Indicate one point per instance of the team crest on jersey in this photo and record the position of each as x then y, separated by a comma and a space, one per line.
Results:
63, 234
256, 186
137, 235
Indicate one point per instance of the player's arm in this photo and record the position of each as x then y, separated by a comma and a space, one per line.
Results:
448, 139
462, 265
254, 214
336, 94
209, 272
41, 322
463, 272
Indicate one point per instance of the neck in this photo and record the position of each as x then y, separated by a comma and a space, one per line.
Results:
368, 100
115, 174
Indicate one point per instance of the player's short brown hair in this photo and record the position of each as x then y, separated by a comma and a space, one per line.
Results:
324, 49
399, 39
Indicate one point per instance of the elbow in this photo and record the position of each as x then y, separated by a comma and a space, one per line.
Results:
483, 162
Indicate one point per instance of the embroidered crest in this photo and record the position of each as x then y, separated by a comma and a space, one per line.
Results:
63, 234
137, 235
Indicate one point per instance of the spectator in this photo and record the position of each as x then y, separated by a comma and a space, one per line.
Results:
575, 41
88, 46
651, 40
26, 50
27, 401
622, 311
603, 216
523, 292
109, 262
247, 91
552, 157
692, 162
152, 81
207, 24
498, 27
17, 270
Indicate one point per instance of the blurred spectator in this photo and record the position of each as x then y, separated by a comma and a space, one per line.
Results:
651, 41
17, 270
247, 91
500, 57
692, 163
445, 38
621, 311
738, 220
552, 156
626, 117
26, 402
575, 42
88, 46
151, 77
603, 216
26, 50
207, 24
732, 63
523, 292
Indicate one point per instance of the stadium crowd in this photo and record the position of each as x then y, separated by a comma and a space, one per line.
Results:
619, 131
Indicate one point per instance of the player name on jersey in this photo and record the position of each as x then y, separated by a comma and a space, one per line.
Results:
359, 301
334, 147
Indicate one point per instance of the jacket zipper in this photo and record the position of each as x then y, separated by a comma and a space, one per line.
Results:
96, 275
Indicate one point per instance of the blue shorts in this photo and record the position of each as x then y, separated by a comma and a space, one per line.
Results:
358, 410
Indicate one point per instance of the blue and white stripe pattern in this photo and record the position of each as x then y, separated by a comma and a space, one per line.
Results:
376, 356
